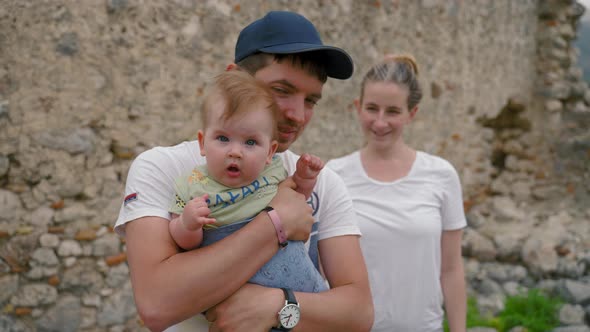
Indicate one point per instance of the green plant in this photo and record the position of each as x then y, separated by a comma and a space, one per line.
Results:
474, 318
534, 310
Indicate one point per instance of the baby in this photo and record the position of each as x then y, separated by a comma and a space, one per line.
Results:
241, 177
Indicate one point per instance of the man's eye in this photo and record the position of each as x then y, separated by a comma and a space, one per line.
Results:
251, 142
222, 138
280, 90
311, 102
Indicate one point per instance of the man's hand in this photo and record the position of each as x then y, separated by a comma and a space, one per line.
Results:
295, 213
251, 308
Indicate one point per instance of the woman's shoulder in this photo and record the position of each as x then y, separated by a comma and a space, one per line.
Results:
434, 163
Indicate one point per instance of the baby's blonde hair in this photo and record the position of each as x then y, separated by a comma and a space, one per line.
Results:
241, 93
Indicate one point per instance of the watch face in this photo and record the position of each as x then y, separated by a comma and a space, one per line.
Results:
289, 316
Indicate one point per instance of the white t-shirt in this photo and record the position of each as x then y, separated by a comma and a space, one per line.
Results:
149, 191
402, 222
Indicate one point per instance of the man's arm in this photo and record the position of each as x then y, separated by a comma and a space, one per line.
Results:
452, 280
347, 306
170, 286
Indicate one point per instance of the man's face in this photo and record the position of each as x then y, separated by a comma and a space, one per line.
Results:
296, 92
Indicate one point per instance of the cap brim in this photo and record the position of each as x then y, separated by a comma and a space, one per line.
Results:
338, 63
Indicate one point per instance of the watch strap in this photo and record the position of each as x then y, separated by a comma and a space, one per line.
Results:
278, 225
289, 299
289, 296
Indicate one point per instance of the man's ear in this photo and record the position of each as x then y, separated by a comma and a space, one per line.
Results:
271, 151
231, 66
201, 138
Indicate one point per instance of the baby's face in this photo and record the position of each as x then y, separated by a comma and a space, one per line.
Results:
237, 149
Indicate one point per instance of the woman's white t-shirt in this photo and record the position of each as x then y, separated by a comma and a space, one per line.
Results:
402, 223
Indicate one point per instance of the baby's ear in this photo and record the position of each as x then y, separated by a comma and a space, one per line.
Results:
271, 151
201, 138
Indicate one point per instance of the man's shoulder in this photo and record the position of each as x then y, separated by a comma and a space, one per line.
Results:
182, 150
289, 159
172, 160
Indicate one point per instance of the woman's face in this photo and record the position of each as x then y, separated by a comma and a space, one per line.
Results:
383, 113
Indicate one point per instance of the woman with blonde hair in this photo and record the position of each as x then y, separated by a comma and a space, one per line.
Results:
410, 209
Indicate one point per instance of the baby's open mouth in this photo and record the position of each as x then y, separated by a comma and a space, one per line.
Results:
233, 170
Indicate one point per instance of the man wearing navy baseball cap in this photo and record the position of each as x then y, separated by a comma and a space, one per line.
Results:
284, 50
290, 33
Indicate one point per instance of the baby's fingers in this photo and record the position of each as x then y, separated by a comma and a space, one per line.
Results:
316, 163
200, 202
209, 220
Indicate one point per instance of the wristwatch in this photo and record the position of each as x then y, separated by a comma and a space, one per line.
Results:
276, 222
290, 313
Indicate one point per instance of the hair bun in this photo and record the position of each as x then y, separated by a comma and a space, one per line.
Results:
406, 59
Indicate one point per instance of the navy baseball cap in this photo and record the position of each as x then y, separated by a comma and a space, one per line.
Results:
282, 32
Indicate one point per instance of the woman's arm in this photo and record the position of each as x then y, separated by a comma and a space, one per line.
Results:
452, 280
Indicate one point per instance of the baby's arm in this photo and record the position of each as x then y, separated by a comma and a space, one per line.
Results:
306, 172
187, 229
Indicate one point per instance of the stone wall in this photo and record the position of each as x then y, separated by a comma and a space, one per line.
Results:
87, 85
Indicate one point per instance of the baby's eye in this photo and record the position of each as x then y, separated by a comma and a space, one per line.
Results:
222, 138
251, 142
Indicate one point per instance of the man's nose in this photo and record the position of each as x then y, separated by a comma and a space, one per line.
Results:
294, 109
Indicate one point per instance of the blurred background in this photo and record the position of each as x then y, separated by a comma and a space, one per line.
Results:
86, 86
583, 41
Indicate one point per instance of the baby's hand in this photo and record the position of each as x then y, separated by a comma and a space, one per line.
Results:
308, 166
195, 214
